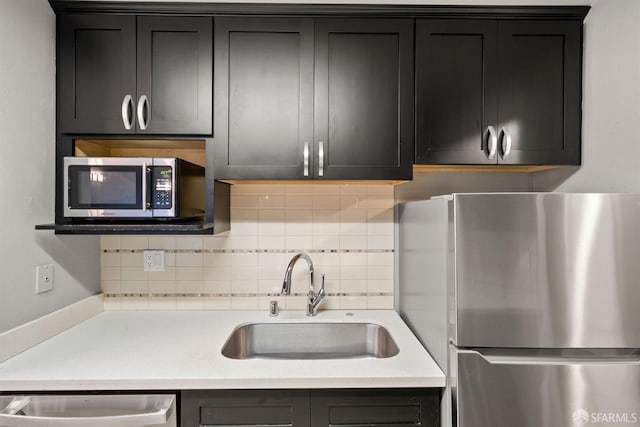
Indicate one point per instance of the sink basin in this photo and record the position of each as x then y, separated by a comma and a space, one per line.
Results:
309, 341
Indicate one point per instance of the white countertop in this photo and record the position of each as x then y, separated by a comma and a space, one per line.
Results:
156, 350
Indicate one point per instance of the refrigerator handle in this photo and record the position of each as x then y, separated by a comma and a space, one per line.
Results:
551, 359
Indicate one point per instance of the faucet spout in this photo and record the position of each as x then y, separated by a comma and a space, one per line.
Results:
313, 299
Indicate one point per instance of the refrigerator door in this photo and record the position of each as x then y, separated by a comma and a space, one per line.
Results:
546, 392
546, 270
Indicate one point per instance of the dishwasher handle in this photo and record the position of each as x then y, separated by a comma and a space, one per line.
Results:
14, 416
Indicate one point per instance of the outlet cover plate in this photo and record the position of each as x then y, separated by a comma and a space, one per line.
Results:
44, 278
153, 261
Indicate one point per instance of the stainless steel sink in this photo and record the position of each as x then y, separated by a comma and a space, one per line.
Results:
309, 341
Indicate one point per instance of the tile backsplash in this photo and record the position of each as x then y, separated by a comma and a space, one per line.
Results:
346, 229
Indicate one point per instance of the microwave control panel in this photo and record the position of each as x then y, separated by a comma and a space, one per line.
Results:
162, 187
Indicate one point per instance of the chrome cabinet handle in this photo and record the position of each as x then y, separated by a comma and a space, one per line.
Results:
305, 158
127, 104
492, 143
506, 144
320, 158
143, 104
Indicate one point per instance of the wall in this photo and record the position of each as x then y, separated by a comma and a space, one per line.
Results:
27, 147
346, 229
611, 94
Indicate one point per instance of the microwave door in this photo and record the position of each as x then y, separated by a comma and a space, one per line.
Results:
107, 190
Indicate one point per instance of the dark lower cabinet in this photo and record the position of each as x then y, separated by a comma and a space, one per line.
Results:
498, 91
122, 74
311, 408
244, 408
375, 408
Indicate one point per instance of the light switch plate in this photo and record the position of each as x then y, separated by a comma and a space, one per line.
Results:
44, 278
153, 260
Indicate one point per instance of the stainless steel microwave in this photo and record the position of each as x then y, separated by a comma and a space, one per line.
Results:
132, 188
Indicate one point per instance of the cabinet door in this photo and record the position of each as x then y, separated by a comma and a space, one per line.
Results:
364, 98
264, 98
375, 408
96, 73
245, 408
456, 99
540, 91
175, 75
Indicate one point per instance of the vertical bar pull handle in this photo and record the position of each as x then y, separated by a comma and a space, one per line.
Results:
492, 143
320, 158
143, 107
506, 144
127, 104
305, 158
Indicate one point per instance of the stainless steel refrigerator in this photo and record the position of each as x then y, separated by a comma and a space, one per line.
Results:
530, 302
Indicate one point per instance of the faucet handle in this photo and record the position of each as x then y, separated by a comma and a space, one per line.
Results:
321, 292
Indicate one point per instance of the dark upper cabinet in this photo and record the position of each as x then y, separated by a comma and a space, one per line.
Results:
504, 92
121, 74
363, 98
313, 99
263, 94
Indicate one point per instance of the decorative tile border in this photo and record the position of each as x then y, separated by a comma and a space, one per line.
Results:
251, 251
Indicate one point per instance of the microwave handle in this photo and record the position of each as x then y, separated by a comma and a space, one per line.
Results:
145, 190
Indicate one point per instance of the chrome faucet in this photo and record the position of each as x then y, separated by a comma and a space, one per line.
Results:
313, 299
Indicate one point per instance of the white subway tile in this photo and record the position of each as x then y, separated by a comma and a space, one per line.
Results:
109, 273
243, 201
162, 242
380, 272
131, 259
352, 201
271, 202
295, 302
353, 258
133, 273
380, 258
163, 303
169, 259
244, 189
244, 259
244, 303
326, 242
169, 274
353, 302
134, 242
299, 189
189, 303
271, 189
375, 201
270, 286
299, 202
326, 189
189, 259
326, 202
189, 286
244, 286
353, 229
380, 215
188, 242
353, 216
217, 286
110, 286
162, 287
380, 302
353, 189
380, 242
244, 272
243, 242
330, 303
109, 242
380, 286
109, 259
216, 242
299, 243
271, 242
351, 272
134, 303
216, 303
353, 242
189, 273
381, 190
112, 303
220, 273
353, 286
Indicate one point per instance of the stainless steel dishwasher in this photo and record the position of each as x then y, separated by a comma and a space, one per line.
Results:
134, 410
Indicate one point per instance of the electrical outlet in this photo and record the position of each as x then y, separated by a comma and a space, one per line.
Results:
153, 260
44, 278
